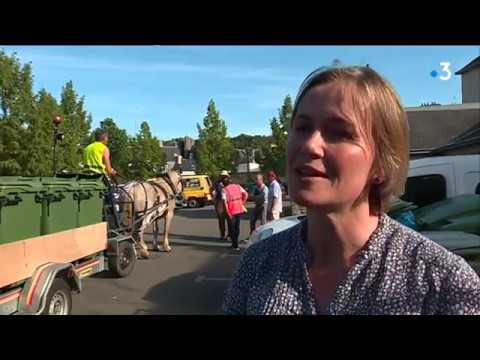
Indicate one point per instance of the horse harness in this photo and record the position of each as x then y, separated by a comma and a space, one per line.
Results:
158, 203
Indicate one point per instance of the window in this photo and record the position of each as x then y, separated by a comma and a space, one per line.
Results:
426, 189
191, 183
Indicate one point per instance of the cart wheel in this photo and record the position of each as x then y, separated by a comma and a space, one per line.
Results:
192, 203
123, 264
59, 299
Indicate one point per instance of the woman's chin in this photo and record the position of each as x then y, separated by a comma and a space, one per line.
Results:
308, 199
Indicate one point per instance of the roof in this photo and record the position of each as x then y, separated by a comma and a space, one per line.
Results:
464, 106
170, 151
438, 126
439, 160
467, 138
475, 63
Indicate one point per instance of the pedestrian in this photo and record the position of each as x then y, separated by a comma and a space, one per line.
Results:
275, 201
347, 152
234, 197
220, 209
260, 194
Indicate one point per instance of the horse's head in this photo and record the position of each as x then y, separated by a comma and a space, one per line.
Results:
176, 180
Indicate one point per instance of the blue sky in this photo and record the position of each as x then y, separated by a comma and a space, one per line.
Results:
170, 86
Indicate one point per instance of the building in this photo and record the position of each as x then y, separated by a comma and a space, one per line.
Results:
449, 129
470, 81
179, 154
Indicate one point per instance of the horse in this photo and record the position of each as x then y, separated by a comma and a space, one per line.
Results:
146, 202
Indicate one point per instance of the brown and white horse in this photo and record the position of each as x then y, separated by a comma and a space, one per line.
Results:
150, 201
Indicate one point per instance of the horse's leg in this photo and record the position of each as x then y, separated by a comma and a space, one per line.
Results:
168, 222
155, 234
143, 247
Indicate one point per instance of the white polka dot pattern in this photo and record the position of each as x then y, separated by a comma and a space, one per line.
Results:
399, 272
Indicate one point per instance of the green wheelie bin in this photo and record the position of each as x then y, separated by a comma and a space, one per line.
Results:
90, 198
20, 208
59, 204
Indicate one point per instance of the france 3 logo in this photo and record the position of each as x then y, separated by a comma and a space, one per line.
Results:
446, 73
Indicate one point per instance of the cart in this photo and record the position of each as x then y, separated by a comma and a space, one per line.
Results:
54, 232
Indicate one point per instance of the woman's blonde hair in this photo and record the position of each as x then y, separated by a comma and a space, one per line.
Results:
383, 124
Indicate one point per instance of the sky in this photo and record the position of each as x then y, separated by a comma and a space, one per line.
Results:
170, 86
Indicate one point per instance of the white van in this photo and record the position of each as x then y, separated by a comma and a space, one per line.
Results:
437, 178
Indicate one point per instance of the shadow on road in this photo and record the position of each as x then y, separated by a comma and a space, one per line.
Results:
173, 236
199, 292
196, 214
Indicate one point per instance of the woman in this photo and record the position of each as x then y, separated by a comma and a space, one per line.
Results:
347, 157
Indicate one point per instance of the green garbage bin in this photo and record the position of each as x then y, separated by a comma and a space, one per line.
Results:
59, 204
90, 198
20, 208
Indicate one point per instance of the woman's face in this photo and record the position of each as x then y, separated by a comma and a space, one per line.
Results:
328, 160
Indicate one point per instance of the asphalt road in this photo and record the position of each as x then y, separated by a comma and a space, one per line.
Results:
191, 279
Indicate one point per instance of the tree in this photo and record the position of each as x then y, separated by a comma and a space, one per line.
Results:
76, 128
214, 150
275, 153
118, 144
39, 152
16, 111
148, 159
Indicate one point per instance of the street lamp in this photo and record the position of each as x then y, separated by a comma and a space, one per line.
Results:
57, 136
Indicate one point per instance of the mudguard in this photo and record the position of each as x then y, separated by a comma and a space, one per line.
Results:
33, 297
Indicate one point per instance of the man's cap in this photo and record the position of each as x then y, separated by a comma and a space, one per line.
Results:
224, 173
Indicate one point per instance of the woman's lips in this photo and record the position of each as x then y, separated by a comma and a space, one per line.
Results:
310, 171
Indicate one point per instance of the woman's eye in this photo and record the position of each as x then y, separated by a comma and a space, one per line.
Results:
340, 134
301, 127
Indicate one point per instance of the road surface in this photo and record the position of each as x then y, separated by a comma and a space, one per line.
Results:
191, 279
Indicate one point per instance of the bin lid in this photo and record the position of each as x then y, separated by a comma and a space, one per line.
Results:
91, 185
56, 183
16, 184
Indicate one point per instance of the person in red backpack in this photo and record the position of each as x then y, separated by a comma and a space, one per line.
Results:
235, 198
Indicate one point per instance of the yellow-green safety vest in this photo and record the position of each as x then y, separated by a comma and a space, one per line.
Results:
93, 157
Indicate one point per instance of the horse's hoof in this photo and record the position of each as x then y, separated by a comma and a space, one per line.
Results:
144, 254
157, 248
168, 249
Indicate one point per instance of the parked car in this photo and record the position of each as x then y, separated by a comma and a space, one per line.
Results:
453, 223
180, 202
459, 213
433, 179
197, 190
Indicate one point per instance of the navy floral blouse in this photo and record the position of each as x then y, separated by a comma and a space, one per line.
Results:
398, 272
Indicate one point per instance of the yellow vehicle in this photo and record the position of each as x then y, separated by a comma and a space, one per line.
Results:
196, 190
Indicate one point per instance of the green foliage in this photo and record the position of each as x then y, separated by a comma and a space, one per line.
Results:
76, 128
214, 150
118, 144
16, 110
26, 130
275, 153
147, 157
39, 152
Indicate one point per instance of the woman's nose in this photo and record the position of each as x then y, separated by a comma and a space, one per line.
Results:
314, 145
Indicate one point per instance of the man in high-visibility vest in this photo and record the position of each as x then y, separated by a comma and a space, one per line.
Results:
96, 156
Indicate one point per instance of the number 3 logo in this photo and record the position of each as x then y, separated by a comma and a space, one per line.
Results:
445, 67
